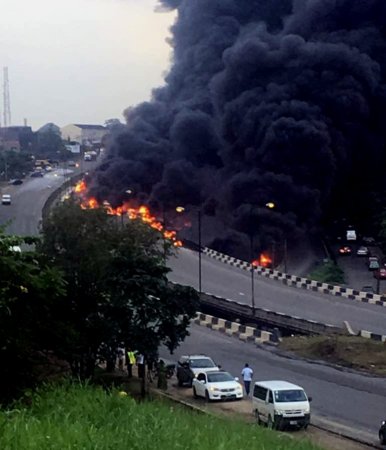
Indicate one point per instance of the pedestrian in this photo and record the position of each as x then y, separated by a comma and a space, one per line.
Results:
162, 382
121, 356
141, 365
130, 361
247, 374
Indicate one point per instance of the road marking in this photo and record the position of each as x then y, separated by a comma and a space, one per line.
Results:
241, 293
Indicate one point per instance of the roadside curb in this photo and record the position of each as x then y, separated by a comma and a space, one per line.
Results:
345, 436
299, 282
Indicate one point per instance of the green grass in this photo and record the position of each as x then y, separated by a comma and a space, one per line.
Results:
76, 417
328, 272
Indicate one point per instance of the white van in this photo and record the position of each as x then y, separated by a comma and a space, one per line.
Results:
280, 404
351, 235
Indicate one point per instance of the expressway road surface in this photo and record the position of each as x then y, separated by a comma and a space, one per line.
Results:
28, 200
230, 282
356, 270
23, 215
344, 401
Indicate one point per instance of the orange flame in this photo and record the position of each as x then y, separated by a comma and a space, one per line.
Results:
263, 261
80, 187
142, 213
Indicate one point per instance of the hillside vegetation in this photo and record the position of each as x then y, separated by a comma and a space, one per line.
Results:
85, 417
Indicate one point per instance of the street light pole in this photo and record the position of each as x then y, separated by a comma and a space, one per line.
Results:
5, 166
164, 229
199, 251
252, 277
285, 255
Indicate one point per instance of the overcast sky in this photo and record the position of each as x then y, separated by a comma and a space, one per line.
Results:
80, 61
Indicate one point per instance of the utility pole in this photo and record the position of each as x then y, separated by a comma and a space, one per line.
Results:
6, 99
252, 276
199, 250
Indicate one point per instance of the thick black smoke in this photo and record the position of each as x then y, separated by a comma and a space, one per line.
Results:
267, 100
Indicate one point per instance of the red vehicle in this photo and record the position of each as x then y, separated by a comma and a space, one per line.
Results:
345, 250
380, 273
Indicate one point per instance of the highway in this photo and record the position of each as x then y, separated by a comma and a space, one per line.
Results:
28, 200
217, 278
230, 282
343, 401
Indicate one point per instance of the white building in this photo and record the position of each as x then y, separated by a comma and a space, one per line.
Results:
83, 134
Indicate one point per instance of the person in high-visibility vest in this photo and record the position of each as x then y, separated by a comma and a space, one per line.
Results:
130, 361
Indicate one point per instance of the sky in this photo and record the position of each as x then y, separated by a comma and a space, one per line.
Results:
81, 61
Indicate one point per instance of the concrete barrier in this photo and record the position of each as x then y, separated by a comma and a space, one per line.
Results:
235, 329
300, 282
373, 336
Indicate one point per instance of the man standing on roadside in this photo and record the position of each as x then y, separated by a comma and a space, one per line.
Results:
130, 361
247, 374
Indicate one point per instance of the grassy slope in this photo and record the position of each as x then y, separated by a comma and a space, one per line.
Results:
348, 351
75, 417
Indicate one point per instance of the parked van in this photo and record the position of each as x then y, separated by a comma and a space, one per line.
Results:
280, 404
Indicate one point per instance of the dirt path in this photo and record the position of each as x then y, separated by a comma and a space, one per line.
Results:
243, 409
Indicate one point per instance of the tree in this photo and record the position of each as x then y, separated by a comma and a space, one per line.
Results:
117, 289
29, 293
49, 144
14, 164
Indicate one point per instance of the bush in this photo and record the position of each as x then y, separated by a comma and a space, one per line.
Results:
328, 273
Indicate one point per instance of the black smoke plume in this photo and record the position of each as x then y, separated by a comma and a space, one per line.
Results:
266, 100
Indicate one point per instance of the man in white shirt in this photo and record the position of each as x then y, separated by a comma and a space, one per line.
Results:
247, 374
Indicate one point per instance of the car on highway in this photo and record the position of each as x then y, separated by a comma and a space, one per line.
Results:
37, 174
71, 164
189, 366
217, 385
280, 404
6, 199
373, 263
16, 181
345, 250
363, 251
380, 273
368, 289
351, 235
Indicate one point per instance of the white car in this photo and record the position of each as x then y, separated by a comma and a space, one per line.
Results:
363, 251
6, 199
217, 385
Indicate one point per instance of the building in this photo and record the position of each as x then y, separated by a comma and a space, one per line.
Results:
88, 135
16, 138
